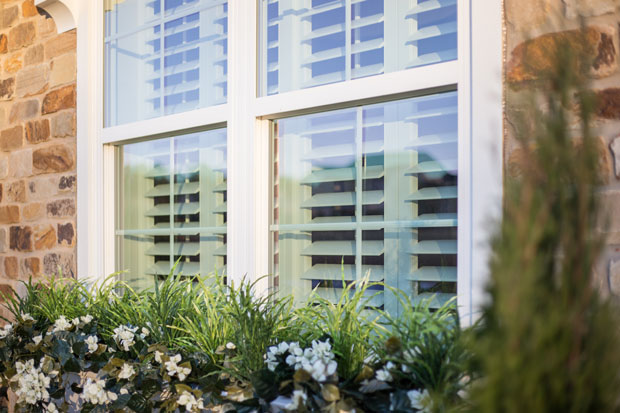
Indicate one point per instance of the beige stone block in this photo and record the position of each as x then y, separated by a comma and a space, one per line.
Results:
3, 240
7, 88
37, 131
42, 189
21, 36
46, 27
9, 214
34, 55
61, 44
11, 267
56, 263
16, 191
24, 110
531, 14
13, 63
56, 158
59, 99
12, 138
63, 69
610, 218
62, 208
31, 266
589, 8
33, 212
29, 9
44, 237
8, 16
63, 124
32, 80
20, 163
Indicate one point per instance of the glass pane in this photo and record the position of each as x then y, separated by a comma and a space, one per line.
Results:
316, 42
368, 191
164, 57
172, 206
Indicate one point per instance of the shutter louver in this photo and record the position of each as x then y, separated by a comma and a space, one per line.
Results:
183, 204
368, 191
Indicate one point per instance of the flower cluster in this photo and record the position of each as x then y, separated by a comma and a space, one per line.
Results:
127, 371
384, 373
190, 403
125, 336
32, 384
95, 392
93, 343
62, 324
6, 330
317, 360
173, 368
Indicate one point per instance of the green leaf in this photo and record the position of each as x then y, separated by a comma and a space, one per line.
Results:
266, 384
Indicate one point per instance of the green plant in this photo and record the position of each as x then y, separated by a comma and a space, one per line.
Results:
547, 342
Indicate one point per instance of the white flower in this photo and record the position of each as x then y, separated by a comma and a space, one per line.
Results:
51, 408
124, 391
174, 369
126, 371
158, 355
125, 336
37, 339
92, 343
230, 346
94, 392
86, 318
145, 332
189, 401
76, 321
299, 397
62, 324
32, 384
417, 398
6, 330
27, 317
384, 375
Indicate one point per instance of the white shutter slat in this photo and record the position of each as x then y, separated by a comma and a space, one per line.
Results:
433, 166
429, 140
431, 113
438, 274
430, 5
336, 272
179, 189
341, 174
342, 199
434, 57
185, 249
374, 298
189, 208
437, 247
432, 31
336, 151
426, 194
342, 248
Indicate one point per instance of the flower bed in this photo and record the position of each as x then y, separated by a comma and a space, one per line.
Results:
198, 345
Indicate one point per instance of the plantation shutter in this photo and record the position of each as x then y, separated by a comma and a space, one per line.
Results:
180, 205
306, 43
369, 191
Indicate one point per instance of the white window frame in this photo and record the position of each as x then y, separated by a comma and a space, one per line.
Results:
477, 73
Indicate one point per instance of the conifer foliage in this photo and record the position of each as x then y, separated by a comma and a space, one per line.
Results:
547, 341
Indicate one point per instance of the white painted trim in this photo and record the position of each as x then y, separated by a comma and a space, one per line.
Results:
90, 225
165, 125
65, 13
480, 147
416, 81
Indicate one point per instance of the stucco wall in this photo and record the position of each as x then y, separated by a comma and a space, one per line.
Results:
539, 23
37, 144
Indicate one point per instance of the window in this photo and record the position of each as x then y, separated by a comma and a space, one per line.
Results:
368, 191
312, 43
328, 134
164, 57
172, 206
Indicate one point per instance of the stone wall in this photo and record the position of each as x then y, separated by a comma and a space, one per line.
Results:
535, 25
37, 144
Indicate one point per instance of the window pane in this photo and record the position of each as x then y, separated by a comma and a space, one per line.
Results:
172, 205
163, 57
368, 191
314, 42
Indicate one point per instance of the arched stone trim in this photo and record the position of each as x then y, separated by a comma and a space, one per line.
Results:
64, 12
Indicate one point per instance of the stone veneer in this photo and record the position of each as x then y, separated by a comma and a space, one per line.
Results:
37, 145
534, 25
